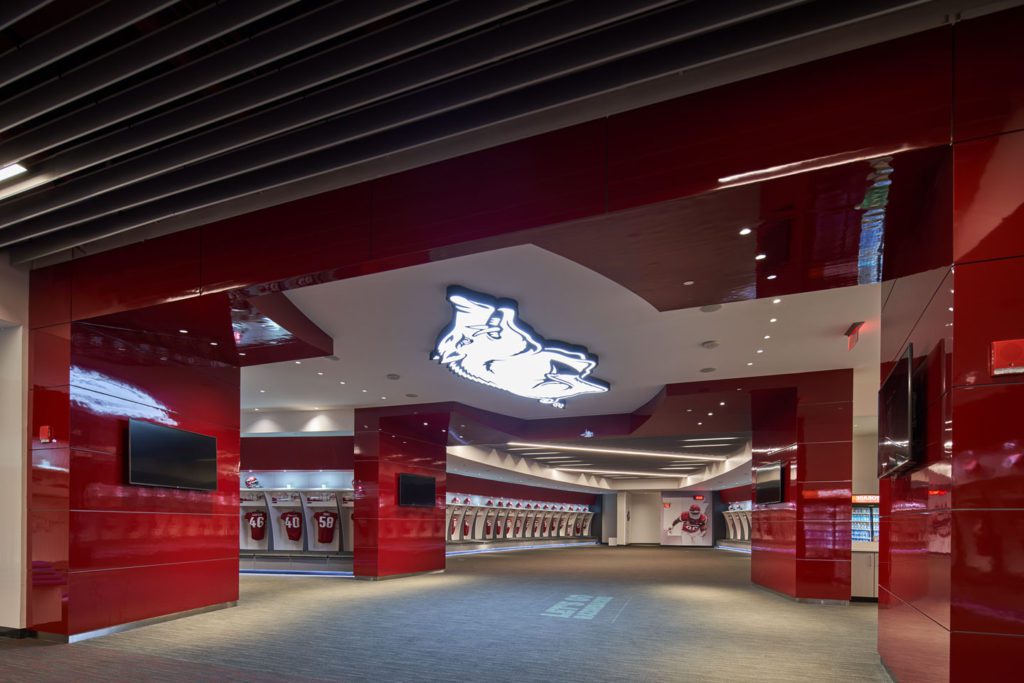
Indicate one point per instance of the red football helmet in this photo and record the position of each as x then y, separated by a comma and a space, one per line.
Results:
695, 512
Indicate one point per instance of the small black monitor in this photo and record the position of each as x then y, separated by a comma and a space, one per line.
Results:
417, 491
171, 458
896, 417
768, 484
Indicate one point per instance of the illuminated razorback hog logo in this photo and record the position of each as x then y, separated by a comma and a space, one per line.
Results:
487, 343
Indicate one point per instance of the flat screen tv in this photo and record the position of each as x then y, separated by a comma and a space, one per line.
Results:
896, 417
171, 458
768, 484
416, 491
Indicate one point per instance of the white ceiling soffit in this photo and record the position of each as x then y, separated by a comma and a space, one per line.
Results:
387, 323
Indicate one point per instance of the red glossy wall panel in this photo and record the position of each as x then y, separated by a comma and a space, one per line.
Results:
913, 647
988, 297
989, 95
49, 295
391, 539
119, 596
327, 231
297, 453
984, 657
988, 449
537, 181
683, 146
50, 355
988, 200
988, 571
158, 271
735, 494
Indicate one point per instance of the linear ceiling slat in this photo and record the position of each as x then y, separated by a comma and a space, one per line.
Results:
324, 23
81, 31
15, 10
528, 34
156, 47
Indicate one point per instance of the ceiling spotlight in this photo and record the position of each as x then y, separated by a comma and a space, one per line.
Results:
774, 320
776, 301
298, 362
745, 231
688, 283
383, 398
320, 373
772, 277
11, 170
767, 336
364, 391
760, 351
761, 257
263, 391
342, 382
749, 364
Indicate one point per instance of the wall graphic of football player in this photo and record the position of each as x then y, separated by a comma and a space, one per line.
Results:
685, 521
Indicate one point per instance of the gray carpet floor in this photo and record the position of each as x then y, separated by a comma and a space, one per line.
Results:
573, 614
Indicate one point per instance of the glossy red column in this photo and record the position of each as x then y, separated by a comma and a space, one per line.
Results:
391, 539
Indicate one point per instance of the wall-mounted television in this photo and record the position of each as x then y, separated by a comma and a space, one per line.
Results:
896, 406
417, 491
171, 458
768, 483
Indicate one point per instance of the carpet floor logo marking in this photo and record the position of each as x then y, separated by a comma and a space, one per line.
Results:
578, 607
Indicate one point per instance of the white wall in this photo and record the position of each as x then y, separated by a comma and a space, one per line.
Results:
297, 422
865, 463
609, 517
644, 524
13, 430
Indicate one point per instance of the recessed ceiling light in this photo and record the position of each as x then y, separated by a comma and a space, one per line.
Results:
699, 424
759, 351
298, 362
263, 391
774, 320
364, 391
611, 451
213, 343
11, 170
316, 407
689, 410
711, 414
749, 364
776, 301
772, 277
183, 331
320, 373
383, 398
341, 382
721, 403
426, 424
745, 231
767, 336
256, 410
688, 283
760, 257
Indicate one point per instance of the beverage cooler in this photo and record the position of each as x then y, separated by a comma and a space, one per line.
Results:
865, 522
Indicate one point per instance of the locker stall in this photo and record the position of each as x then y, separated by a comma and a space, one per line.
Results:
478, 519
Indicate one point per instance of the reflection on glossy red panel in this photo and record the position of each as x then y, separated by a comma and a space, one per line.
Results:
824, 461
48, 568
910, 296
920, 561
988, 571
989, 96
988, 452
49, 479
913, 647
987, 295
119, 596
49, 414
158, 271
989, 202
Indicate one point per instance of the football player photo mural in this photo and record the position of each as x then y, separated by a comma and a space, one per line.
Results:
685, 520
